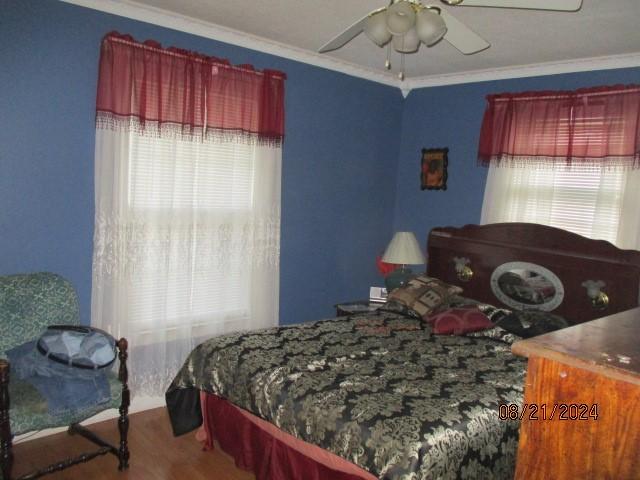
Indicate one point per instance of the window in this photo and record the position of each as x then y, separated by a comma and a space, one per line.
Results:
191, 189
565, 159
188, 160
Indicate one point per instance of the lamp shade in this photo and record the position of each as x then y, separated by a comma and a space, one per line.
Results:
403, 249
430, 26
376, 29
400, 17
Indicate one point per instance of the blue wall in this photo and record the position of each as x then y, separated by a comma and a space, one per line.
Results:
339, 158
451, 116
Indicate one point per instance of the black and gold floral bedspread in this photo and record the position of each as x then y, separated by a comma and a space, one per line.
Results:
378, 390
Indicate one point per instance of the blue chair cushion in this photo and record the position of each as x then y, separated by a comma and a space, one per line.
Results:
29, 303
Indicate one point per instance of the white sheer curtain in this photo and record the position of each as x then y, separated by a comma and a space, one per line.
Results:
186, 245
587, 199
187, 190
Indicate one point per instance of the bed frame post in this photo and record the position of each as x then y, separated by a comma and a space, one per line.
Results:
6, 455
123, 421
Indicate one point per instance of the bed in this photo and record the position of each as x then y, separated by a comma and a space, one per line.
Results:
380, 395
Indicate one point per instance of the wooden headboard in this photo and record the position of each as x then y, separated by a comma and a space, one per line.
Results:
574, 259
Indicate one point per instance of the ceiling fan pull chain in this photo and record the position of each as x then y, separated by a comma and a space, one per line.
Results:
387, 63
401, 74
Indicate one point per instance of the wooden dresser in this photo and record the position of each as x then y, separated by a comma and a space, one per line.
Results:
570, 371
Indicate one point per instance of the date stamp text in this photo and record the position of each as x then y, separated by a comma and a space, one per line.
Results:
543, 411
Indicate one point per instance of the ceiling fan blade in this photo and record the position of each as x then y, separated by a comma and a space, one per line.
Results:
558, 5
349, 34
461, 36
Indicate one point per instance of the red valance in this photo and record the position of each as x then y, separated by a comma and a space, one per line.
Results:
174, 91
595, 125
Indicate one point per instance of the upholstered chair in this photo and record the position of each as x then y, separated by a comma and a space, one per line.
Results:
28, 304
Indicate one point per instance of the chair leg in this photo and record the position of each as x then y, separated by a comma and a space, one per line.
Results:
123, 421
6, 454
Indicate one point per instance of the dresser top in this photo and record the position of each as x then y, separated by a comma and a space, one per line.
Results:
608, 346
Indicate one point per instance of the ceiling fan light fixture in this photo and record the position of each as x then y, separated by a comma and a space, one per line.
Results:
407, 43
401, 17
376, 29
430, 26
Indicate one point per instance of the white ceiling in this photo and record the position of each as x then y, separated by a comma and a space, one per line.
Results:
603, 34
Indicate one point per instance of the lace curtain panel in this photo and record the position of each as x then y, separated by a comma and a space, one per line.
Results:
187, 222
596, 202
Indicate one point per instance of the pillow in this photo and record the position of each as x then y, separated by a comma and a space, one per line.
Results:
424, 294
531, 323
458, 321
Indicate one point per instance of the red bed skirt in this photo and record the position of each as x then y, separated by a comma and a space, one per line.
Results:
267, 451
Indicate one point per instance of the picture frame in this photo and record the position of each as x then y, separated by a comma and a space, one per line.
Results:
433, 171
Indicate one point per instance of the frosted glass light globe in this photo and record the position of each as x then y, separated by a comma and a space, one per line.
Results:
401, 17
430, 26
407, 43
376, 29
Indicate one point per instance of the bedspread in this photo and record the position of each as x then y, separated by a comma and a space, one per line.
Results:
378, 390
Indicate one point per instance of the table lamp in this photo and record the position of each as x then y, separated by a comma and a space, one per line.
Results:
403, 250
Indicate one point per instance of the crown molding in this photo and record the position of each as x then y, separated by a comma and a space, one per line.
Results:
164, 18
533, 70
174, 21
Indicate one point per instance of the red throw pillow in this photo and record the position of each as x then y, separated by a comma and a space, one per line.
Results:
457, 321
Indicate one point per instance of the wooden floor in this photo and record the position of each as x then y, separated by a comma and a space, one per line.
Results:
155, 454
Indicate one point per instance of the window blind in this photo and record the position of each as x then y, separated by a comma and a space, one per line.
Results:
167, 174
190, 188
584, 199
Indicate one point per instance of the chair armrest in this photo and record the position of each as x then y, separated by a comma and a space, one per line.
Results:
6, 454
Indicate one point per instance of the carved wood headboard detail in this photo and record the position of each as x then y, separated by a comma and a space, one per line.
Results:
573, 258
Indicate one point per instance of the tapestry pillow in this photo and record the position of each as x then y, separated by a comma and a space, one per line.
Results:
423, 295
531, 323
458, 321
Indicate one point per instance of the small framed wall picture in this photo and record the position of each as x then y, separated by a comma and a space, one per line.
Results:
433, 173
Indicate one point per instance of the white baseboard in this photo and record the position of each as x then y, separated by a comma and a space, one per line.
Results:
138, 404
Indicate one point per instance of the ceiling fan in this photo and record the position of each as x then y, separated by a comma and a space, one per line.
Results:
405, 24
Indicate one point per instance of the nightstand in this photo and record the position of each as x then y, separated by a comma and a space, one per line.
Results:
358, 306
